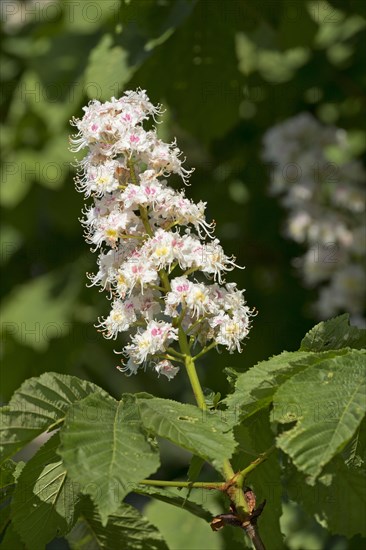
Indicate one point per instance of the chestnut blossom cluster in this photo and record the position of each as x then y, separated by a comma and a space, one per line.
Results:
158, 261
326, 203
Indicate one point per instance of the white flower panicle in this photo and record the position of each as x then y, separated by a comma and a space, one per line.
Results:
326, 203
158, 260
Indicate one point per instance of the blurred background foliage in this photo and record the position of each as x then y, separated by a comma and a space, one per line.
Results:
225, 72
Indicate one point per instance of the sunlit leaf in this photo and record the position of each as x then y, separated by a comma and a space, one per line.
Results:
327, 403
126, 526
106, 449
39, 405
334, 334
203, 433
44, 500
180, 529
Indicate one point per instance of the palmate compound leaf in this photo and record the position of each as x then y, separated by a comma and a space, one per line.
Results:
334, 334
39, 405
255, 388
204, 433
126, 529
328, 402
106, 449
44, 500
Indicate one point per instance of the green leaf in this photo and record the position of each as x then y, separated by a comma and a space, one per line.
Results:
334, 334
106, 450
44, 500
107, 70
39, 310
125, 529
203, 433
254, 389
327, 402
231, 375
80, 19
291, 35
337, 500
39, 405
354, 453
11, 540
301, 529
266, 377
255, 436
208, 68
195, 467
173, 496
15, 177
10, 241
211, 398
6, 491
7, 470
180, 529
9, 473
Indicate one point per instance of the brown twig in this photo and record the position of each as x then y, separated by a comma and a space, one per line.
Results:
248, 523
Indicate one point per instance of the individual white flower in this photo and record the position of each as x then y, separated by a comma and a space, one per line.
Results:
108, 268
180, 287
147, 304
110, 228
160, 249
120, 318
198, 300
230, 331
214, 260
167, 368
136, 271
154, 339
100, 179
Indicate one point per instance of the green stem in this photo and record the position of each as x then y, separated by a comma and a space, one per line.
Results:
125, 236
172, 351
131, 167
204, 350
234, 490
164, 277
169, 357
178, 320
219, 485
195, 324
191, 369
145, 220
253, 465
190, 270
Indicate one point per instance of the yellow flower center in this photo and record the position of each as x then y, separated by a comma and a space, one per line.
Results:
162, 251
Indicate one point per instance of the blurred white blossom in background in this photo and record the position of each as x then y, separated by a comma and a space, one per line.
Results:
326, 209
